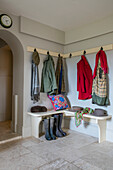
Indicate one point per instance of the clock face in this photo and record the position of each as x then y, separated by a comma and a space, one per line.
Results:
5, 21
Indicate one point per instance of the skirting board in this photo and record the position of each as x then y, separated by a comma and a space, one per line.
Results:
10, 140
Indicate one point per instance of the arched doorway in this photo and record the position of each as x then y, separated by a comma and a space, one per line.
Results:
18, 77
6, 80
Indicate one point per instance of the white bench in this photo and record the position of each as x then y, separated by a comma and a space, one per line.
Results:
101, 122
36, 118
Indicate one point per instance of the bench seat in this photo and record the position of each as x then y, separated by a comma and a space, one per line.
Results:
51, 112
36, 118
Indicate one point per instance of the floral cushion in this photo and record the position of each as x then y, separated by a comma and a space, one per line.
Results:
58, 101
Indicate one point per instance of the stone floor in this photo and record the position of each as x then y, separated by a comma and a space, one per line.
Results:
76, 151
5, 131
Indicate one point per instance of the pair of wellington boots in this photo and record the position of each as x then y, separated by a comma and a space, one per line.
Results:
53, 127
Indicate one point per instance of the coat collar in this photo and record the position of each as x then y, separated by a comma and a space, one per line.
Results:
103, 61
84, 59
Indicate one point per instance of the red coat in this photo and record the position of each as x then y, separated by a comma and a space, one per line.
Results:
84, 79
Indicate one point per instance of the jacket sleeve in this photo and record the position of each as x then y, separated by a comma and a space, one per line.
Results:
52, 77
42, 81
80, 78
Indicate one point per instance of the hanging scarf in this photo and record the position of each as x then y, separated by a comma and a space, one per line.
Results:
35, 88
79, 115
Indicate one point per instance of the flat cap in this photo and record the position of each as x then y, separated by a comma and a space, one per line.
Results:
35, 57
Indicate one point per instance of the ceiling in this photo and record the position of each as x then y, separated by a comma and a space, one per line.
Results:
61, 14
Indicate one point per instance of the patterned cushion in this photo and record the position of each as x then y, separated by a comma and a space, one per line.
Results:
58, 101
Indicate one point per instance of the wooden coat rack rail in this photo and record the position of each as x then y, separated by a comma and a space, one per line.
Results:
44, 52
73, 54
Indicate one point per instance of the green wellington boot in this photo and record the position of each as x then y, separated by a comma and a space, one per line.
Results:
56, 129
60, 124
51, 128
46, 126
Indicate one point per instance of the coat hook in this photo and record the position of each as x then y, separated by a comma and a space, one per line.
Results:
101, 48
84, 52
70, 55
48, 52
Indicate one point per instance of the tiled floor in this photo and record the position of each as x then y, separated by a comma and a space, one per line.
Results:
5, 131
73, 152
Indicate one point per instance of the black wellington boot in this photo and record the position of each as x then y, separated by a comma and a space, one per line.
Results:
60, 124
46, 126
57, 132
51, 128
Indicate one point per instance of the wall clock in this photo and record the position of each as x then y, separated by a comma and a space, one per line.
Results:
5, 20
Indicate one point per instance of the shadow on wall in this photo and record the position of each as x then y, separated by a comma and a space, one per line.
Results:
67, 122
18, 72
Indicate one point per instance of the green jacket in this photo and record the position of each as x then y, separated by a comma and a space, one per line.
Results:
48, 82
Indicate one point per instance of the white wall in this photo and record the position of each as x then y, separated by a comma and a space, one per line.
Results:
73, 94
89, 31
89, 43
37, 29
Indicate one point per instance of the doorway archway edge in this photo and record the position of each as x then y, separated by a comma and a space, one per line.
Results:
17, 49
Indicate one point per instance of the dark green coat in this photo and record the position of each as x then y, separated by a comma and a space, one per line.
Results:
48, 82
